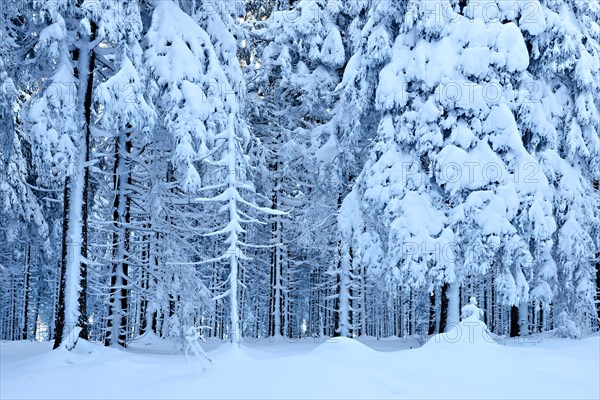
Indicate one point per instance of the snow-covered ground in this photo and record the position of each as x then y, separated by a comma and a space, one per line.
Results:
464, 364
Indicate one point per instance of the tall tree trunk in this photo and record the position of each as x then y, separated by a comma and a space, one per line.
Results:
14, 326
523, 319
89, 66
492, 305
343, 283
514, 321
24, 335
598, 288
36, 315
343, 279
144, 279
596, 185
443, 307
59, 321
56, 290
364, 305
453, 314
276, 300
73, 298
233, 240
126, 248
272, 283
432, 313
117, 318
277, 281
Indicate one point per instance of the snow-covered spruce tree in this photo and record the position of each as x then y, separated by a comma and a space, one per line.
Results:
200, 105
23, 222
374, 38
370, 36
127, 119
60, 115
18, 204
298, 52
562, 125
156, 215
449, 159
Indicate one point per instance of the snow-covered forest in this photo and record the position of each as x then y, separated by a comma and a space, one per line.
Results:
297, 169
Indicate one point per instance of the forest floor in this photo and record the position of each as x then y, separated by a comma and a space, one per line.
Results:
539, 367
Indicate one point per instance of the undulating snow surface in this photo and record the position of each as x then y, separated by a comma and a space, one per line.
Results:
464, 363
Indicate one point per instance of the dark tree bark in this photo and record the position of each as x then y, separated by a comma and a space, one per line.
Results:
514, 321
143, 302
338, 280
276, 303
352, 294
411, 315
59, 326
154, 325
336, 305
38, 302
492, 317
24, 334
597, 188
271, 320
125, 276
120, 269
443, 308
432, 314
14, 331
598, 288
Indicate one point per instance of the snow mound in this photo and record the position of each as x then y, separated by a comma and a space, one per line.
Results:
470, 331
230, 353
83, 347
343, 349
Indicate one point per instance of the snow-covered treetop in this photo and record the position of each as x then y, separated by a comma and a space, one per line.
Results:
471, 310
194, 94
